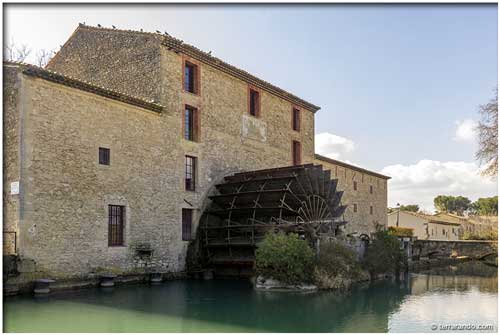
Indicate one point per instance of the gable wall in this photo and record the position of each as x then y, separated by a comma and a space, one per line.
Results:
419, 225
124, 62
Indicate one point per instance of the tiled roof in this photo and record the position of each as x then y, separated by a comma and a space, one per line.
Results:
178, 45
431, 218
349, 166
35, 71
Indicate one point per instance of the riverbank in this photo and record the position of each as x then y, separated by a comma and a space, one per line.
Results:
12, 289
26, 288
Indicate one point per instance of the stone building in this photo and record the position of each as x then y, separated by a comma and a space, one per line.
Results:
111, 151
425, 227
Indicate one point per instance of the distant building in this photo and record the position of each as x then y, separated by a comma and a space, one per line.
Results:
426, 227
473, 224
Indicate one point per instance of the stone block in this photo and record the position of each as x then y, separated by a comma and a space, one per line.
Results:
26, 266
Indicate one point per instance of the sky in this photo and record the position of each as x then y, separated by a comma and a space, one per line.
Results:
399, 85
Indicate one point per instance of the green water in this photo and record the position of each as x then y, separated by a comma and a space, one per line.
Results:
451, 296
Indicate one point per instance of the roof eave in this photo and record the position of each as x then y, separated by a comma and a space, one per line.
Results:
55, 77
179, 46
349, 166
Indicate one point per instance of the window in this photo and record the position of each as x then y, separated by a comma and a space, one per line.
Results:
296, 152
190, 78
371, 189
254, 102
116, 224
190, 124
355, 208
187, 222
104, 156
355, 185
190, 173
444, 232
371, 209
296, 119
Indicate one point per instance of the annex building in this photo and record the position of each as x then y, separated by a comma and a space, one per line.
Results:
115, 146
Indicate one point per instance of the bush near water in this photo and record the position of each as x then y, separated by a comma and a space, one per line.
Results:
384, 254
290, 260
337, 267
285, 258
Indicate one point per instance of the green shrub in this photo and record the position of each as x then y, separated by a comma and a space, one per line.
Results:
400, 231
384, 254
285, 258
488, 236
337, 267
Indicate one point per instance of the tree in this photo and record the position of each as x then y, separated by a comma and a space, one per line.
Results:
487, 153
451, 204
384, 254
409, 208
43, 56
16, 53
485, 206
19, 53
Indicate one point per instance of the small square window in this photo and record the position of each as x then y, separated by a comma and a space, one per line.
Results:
104, 156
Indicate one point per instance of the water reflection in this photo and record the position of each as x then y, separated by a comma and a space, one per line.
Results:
461, 294
461, 277
233, 306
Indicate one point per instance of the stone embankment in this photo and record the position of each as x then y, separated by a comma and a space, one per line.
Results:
434, 253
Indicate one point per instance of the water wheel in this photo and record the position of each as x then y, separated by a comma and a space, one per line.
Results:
302, 199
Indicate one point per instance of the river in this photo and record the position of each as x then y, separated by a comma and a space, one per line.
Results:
459, 296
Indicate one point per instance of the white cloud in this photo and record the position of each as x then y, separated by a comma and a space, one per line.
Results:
419, 183
466, 130
333, 146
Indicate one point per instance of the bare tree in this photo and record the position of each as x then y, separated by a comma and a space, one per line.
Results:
487, 153
16, 53
43, 56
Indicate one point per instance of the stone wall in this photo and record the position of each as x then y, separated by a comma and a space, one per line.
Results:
443, 249
128, 63
362, 221
12, 107
223, 110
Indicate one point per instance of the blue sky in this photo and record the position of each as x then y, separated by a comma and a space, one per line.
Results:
399, 85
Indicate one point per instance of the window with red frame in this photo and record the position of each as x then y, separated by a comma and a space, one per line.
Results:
296, 119
190, 78
254, 103
296, 153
